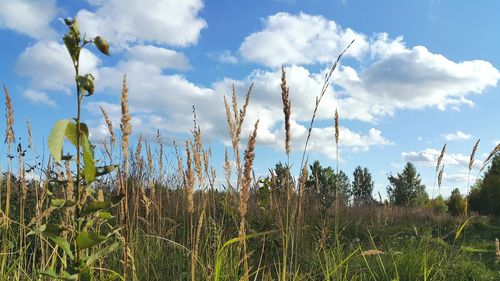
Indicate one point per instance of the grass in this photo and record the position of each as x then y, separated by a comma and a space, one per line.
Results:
178, 224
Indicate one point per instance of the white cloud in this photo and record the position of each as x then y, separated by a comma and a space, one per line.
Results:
39, 97
428, 157
160, 101
125, 22
458, 135
49, 66
302, 39
391, 77
226, 57
411, 78
29, 17
161, 57
461, 177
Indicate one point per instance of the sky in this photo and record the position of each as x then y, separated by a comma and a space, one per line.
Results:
419, 74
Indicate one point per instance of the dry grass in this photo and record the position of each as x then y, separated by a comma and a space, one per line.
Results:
109, 125
190, 179
285, 97
245, 193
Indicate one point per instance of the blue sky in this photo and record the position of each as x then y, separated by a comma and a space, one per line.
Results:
420, 74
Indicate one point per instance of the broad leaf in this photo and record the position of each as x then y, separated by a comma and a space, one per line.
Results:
86, 240
88, 159
103, 215
101, 253
49, 273
63, 244
56, 139
86, 83
57, 202
71, 132
95, 206
101, 171
72, 46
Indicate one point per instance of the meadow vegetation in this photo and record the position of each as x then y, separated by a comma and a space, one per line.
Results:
150, 211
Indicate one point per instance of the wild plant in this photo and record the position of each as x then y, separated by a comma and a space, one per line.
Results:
87, 235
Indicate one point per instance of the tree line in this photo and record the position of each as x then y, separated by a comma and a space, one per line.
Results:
405, 189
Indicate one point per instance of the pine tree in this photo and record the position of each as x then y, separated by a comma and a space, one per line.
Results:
486, 199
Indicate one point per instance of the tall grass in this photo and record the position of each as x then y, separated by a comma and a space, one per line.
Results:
177, 223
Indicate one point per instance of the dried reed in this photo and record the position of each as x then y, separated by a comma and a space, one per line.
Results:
126, 129
490, 157
9, 116
285, 97
471, 159
109, 124
326, 84
30, 136
190, 179
245, 193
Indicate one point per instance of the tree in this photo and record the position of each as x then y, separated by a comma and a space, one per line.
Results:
362, 186
456, 203
323, 182
486, 199
406, 188
279, 178
439, 205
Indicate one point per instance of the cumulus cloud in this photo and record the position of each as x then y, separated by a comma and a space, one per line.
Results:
414, 78
170, 22
461, 177
226, 57
49, 66
165, 102
29, 17
161, 57
458, 135
39, 97
428, 157
300, 39
392, 76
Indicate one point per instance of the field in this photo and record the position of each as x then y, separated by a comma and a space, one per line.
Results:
117, 211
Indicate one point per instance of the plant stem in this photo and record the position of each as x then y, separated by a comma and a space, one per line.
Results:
78, 133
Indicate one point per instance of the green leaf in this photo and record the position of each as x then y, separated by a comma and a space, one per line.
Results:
57, 202
63, 244
51, 229
101, 253
86, 274
62, 276
88, 159
95, 206
71, 132
101, 171
86, 83
102, 45
103, 215
49, 273
47, 230
461, 228
86, 240
56, 139
72, 46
